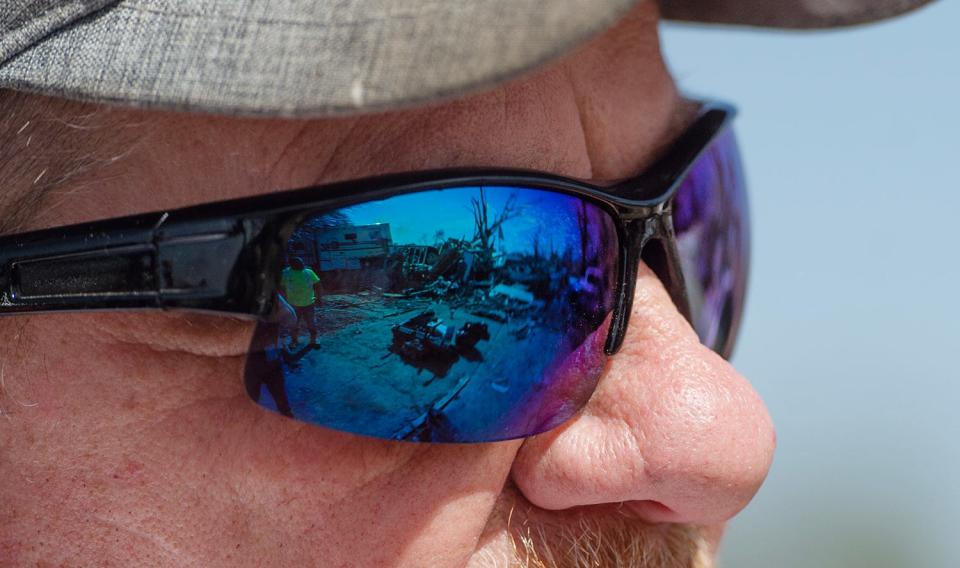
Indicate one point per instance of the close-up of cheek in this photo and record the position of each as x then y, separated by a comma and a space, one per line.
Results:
145, 420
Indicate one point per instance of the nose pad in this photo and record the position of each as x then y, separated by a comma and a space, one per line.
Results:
659, 256
672, 430
663, 260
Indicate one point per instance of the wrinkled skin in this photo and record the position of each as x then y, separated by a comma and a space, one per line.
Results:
128, 439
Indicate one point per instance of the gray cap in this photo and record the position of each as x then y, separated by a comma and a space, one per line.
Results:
321, 57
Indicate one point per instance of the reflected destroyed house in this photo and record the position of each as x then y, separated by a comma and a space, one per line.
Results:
346, 257
364, 257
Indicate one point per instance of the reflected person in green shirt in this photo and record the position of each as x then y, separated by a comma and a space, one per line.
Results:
302, 290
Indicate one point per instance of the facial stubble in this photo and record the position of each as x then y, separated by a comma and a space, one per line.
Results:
594, 537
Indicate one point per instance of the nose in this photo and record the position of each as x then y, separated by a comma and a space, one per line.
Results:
673, 431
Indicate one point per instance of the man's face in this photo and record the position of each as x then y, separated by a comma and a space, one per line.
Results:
129, 438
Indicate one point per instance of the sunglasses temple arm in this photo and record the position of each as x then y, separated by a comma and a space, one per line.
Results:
142, 262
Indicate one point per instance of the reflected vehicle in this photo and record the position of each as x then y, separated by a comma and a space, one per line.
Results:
471, 300
425, 342
427, 336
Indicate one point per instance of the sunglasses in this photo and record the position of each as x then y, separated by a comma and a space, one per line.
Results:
450, 306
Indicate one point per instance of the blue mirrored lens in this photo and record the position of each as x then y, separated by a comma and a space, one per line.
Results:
712, 223
456, 315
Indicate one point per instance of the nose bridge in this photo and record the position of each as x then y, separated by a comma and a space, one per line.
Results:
662, 255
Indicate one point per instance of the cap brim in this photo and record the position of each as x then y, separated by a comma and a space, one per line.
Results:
795, 14
298, 58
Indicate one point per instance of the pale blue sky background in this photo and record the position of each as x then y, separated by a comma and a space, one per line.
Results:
852, 147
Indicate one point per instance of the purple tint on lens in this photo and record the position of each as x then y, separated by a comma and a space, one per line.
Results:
589, 292
711, 220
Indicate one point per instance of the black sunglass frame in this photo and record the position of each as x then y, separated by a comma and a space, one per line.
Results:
225, 257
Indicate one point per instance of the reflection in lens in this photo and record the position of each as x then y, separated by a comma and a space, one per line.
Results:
711, 220
455, 315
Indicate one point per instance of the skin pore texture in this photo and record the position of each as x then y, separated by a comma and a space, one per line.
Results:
128, 439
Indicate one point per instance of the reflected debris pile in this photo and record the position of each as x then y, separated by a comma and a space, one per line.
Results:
425, 341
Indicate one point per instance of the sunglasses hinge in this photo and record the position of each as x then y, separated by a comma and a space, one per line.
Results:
646, 227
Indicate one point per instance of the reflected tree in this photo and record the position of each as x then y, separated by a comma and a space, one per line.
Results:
487, 228
583, 224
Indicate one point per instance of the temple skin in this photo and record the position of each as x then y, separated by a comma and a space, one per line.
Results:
128, 439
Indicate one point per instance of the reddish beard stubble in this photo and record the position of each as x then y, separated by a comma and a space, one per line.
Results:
591, 537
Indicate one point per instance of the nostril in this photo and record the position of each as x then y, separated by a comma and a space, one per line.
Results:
651, 511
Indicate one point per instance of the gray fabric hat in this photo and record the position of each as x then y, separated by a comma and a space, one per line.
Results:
321, 57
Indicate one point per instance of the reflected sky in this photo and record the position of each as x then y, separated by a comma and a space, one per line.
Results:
449, 211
